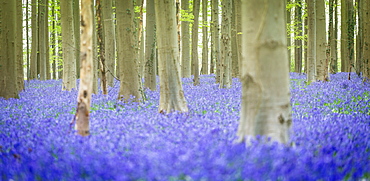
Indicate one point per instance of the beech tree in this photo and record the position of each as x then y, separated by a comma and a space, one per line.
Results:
205, 37
68, 42
225, 65
34, 43
110, 40
365, 4
321, 45
265, 104
185, 42
85, 89
150, 47
127, 52
194, 42
311, 44
171, 92
8, 44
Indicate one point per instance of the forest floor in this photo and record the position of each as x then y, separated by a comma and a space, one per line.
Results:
132, 141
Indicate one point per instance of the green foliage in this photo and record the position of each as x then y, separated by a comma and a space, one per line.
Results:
186, 15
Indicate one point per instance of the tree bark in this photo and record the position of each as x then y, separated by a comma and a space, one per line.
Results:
194, 42
216, 39
19, 45
43, 15
311, 44
8, 44
238, 25
366, 40
110, 40
332, 38
76, 26
68, 45
185, 42
321, 46
265, 104
127, 52
150, 47
205, 37
101, 44
84, 92
226, 56
298, 38
171, 92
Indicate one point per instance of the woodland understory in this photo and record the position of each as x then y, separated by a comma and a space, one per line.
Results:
329, 140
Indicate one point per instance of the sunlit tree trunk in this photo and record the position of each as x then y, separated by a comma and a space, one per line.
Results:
194, 42
205, 37
84, 92
68, 45
216, 58
101, 44
127, 52
110, 40
265, 104
95, 86
171, 92
185, 42
311, 44
321, 46
150, 47
225, 69
8, 68
234, 43
298, 39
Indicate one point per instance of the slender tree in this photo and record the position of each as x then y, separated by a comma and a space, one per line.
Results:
110, 40
321, 46
150, 47
185, 42
194, 42
43, 42
171, 92
347, 33
216, 58
8, 63
226, 59
311, 44
68, 45
238, 26
234, 43
205, 37
265, 104
359, 46
365, 7
84, 92
34, 43
76, 26
332, 37
19, 45
127, 52
298, 38
101, 44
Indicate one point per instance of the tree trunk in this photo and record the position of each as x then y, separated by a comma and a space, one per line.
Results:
289, 38
331, 38
365, 4
194, 42
110, 40
43, 16
205, 37
53, 40
84, 92
185, 42
234, 44
298, 38
8, 68
19, 45
216, 39
150, 47
68, 45
226, 58
238, 24
101, 44
311, 42
27, 40
171, 93
358, 63
127, 52
76, 25
265, 108
321, 46
347, 33
95, 86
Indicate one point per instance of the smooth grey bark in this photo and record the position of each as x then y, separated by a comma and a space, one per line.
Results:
76, 26
194, 42
150, 47
171, 92
204, 37
298, 41
110, 40
321, 45
311, 44
127, 52
68, 45
185, 43
365, 4
265, 102
19, 46
43, 16
216, 57
226, 52
332, 37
